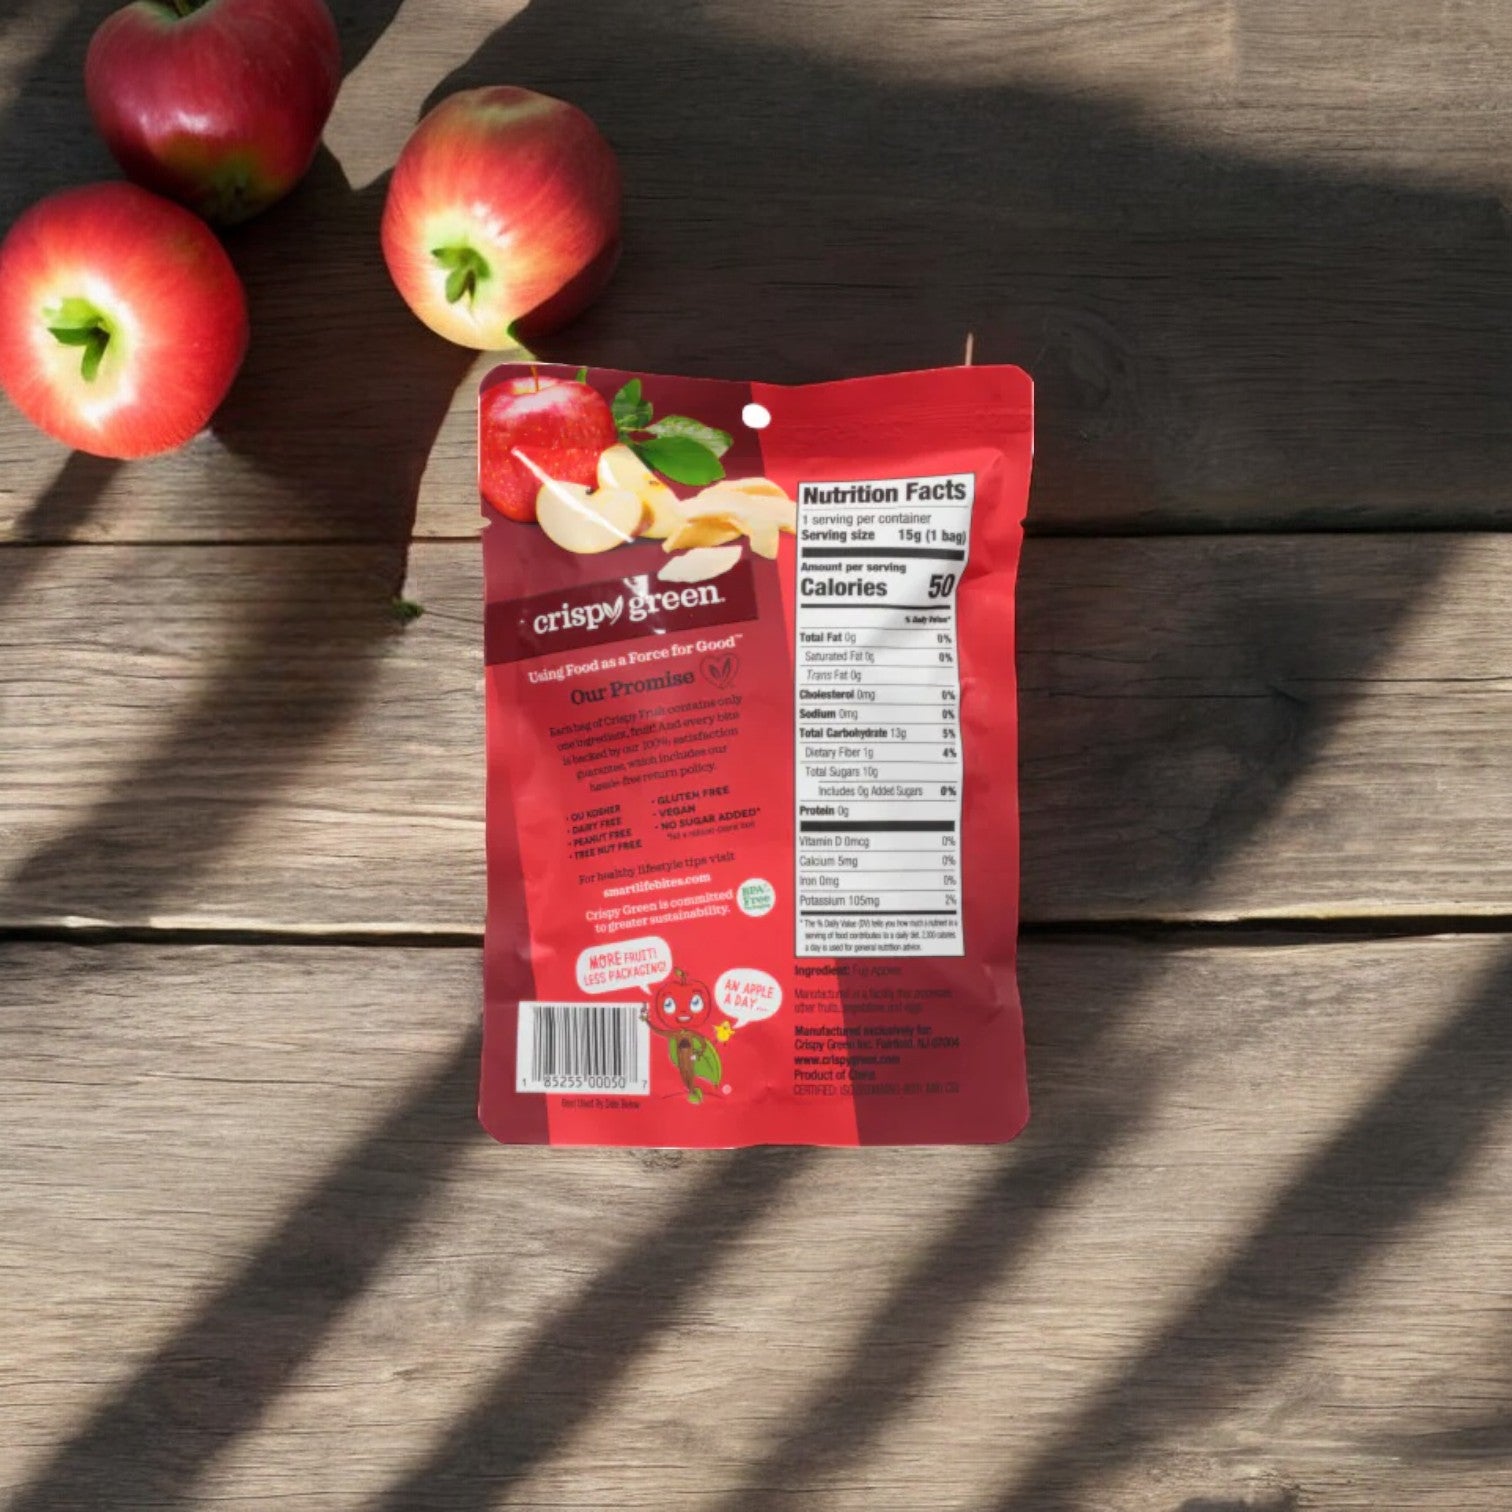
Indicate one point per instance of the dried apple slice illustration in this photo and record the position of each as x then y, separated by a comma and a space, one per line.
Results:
619, 467
763, 487
705, 530
585, 522
700, 564
763, 534
752, 500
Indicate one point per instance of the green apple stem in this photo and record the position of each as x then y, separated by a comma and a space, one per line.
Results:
466, 269
79, 324
184, 8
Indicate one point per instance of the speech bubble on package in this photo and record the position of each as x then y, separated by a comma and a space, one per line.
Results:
626, 963
747, 995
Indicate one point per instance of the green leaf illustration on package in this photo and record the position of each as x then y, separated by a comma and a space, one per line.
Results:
682, 449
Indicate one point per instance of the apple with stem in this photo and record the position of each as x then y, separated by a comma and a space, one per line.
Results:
534, 428
502, 218
122, 321
217, 103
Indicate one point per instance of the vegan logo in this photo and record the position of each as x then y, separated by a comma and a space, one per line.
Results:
721, 670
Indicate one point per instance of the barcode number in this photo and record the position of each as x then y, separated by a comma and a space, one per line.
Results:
583, 1047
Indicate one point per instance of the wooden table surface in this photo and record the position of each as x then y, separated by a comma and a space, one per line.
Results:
1254, 1253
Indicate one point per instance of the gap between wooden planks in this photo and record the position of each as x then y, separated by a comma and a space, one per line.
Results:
1253, 1247
1212, 729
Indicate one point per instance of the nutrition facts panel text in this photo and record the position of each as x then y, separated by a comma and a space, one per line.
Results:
878, 758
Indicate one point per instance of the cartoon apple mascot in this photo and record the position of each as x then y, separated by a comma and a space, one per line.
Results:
679, 1008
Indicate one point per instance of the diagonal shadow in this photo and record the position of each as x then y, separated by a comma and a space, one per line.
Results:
307, 396
55, 514
1216, 340
253, 701
69, 499
146, 1445
1393, 1158
1136, 266
321, 424
1477, 1443
46, 137
303, 395
576, 1358
1089, 1099
1086, 1104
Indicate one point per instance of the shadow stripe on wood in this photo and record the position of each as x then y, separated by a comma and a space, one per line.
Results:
255, 1244
1253, 259
1261, 727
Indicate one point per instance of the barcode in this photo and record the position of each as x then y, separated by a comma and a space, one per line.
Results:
583, 1047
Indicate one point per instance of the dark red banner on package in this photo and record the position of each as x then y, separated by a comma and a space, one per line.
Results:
616, 609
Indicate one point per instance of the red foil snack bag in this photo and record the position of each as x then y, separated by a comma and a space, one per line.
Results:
752, 758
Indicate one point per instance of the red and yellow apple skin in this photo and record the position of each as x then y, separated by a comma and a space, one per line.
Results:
122, 321
503, 216
537, 428
220, 108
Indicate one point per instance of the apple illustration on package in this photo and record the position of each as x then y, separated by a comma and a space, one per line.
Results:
217, 103
502, 216
540, 427
122, 321
596, 473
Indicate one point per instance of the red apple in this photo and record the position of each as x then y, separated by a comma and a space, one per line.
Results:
502, 216
530, 428
122, 321
218, 103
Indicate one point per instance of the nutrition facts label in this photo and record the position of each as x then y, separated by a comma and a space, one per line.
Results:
878, 689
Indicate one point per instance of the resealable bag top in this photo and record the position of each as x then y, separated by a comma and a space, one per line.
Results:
752, 757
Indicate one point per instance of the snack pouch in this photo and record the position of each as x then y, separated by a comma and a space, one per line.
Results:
752, 757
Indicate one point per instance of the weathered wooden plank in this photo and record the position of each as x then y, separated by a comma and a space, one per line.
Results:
1252, 1253
1212, 728
1249, 257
